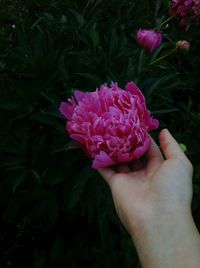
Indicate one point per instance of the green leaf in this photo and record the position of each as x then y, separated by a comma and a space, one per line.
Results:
74, 189
69, 146
79, 18
47, 209
54, 175
141, 62
12, 210
165, 111
10, 104
57, 248
17, 180
92, 77
63, 19
13, 162
94, 36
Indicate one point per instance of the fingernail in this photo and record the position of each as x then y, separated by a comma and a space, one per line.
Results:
165, 130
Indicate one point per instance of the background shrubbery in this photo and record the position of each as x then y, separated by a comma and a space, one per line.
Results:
55, 210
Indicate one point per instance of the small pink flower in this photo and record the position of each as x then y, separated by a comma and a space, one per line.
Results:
110, 124
183, 46
149, 39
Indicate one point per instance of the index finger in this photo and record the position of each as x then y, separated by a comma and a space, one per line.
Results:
154, 151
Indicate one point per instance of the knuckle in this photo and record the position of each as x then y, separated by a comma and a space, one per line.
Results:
187, 163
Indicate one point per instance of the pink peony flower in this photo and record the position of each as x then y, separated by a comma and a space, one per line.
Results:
196, 8
149, 39
186, 8
182, 7
110, 124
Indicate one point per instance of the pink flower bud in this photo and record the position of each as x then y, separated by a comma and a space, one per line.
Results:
183, 46
149, 39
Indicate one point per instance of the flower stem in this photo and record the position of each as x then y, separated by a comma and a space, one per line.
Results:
167, 20
157, 60
163, 57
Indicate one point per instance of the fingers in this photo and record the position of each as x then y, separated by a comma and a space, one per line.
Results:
107, 174
169, 146
154, 151
154, 157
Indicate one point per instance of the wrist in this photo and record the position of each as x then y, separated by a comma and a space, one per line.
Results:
164, 241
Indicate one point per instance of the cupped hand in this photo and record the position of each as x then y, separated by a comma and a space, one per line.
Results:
143, 194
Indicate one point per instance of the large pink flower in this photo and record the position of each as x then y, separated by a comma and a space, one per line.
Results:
149, 39
196, 8
185, 8
110, 124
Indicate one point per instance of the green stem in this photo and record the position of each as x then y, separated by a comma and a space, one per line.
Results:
167, 20
159, 59
164, 22
163, 57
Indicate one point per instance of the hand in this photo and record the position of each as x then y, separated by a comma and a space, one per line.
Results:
142, 193
153, 202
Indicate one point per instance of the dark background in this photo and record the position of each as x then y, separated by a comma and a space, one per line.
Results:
55, 211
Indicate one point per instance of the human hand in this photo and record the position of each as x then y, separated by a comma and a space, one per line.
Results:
154, 204
143, 194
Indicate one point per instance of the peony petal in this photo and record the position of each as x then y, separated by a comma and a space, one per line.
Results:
102, 160
124, 157
140, 151
66, 109
153, 124
78, 137
132, 88
79, 95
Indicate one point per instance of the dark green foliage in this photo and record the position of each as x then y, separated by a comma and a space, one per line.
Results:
55, 210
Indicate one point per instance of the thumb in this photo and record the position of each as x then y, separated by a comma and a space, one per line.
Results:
170, 146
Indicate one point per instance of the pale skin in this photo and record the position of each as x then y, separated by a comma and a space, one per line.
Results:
153, 201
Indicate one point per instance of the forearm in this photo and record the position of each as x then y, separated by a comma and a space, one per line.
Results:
169, 242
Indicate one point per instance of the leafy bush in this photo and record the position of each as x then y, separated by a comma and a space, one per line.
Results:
55, 210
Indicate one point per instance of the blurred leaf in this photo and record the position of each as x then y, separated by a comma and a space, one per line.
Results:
17, 180
78, 16
141, 61
54, 175
92, 77
164, 111
10, 104
57, 248
12, 210
73, 190
69, 146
